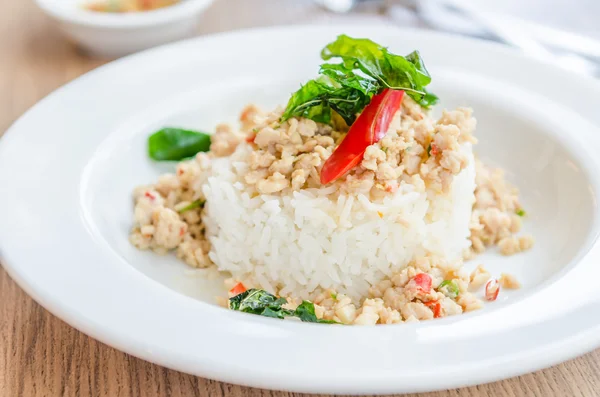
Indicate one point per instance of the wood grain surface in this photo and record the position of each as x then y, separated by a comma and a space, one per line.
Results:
42, 356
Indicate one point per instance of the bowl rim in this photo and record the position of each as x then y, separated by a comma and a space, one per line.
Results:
75, 14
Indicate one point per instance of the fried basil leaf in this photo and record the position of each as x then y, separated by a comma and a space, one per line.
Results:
318, 98
391, 70
365, 69
260, 302
256, 301
306, 312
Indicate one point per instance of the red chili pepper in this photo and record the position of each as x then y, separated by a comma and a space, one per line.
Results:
149, 195
369, 128
250, 138
492, 289
391, 188
238, 289
423, 282
435, 307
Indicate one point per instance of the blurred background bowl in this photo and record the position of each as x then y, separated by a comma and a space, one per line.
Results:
115, 34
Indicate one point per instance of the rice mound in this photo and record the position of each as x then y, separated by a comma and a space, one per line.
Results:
269, 222
299, 242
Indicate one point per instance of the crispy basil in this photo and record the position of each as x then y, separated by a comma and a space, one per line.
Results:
365, 69
260, 302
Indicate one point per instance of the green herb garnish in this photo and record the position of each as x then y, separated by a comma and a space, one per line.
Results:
365, 70
174, 144
318, 98
390, 70
192, 206
257, 301
333, 296
449, 288
306, 313
520, 212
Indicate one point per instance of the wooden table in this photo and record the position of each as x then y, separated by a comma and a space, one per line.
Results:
42, 356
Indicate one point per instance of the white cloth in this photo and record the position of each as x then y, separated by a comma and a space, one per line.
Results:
579, 16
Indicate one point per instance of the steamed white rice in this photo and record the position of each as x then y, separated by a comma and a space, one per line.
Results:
317, 239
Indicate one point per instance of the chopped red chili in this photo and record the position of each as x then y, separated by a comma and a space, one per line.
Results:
492, 289
423, 282
369, 128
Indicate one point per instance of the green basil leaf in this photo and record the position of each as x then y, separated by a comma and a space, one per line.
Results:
348, 103
390, 70
365, 69
257, 300
423, 77
306, 312
236, 301
260, 302
308, 102
318, 98
322, 321
341, 76
428, 100
273, 313
174, 144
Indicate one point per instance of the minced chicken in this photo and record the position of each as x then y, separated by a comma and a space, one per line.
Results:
497, 214
288, 156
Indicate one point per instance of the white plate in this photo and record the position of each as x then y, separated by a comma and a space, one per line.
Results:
68, 166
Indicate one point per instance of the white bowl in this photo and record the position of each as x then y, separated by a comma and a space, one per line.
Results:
68, 166
118, 34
